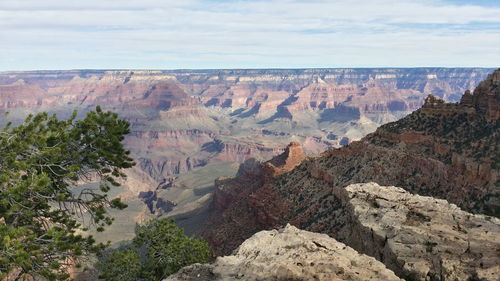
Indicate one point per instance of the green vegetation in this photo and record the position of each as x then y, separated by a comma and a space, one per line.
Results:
122, 265
159, 249
41, 161
465, 133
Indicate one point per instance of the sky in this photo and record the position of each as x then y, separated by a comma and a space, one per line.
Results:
208, 34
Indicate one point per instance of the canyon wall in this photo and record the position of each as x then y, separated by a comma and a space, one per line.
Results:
444, 150
188, 119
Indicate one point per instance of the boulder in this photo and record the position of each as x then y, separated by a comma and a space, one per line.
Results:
289, 254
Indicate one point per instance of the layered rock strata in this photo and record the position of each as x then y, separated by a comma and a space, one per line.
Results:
184, 120
269, 107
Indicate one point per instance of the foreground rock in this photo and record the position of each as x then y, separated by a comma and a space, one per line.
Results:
417, 237
420, 238
290, 254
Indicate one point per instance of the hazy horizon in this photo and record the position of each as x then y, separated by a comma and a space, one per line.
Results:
242, 69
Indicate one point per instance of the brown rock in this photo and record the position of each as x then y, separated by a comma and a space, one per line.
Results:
486, 96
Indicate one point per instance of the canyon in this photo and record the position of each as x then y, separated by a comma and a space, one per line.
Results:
316, 174
443, 157
191, 126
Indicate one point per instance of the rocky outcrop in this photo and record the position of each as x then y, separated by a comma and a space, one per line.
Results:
289, 254
156, 205
486, 98
250, 199
419, 238
289, 159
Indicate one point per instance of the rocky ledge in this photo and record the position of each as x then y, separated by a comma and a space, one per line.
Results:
418, 237
289, 254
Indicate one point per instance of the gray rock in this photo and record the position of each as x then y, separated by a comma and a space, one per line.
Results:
419, 237
289, 254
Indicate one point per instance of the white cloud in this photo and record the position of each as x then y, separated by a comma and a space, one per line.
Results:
213, 34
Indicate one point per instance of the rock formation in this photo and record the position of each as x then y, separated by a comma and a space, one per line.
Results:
419, 238
486, 98
249, 207
289, 254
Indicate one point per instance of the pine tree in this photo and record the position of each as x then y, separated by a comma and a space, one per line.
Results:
41, 162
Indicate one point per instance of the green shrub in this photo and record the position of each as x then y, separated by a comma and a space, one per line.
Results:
160, 248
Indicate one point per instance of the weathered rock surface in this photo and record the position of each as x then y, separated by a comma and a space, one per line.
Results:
289, 254
418, 237
486, 96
